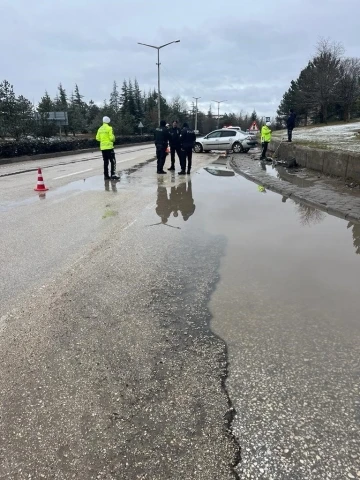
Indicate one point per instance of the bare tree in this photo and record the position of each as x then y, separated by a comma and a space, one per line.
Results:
349, 85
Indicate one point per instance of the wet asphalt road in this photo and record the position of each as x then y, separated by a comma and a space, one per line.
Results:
41, 235
110, 370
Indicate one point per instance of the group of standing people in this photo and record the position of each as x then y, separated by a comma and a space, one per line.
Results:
181, 142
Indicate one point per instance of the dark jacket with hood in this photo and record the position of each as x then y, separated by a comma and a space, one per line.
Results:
291, 121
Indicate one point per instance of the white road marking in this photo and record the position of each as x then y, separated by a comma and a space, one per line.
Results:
71, 174
130, 224
89, 169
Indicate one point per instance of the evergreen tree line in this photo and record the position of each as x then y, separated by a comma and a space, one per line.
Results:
127, 107
327, 89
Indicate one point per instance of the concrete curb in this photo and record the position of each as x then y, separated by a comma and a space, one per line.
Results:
44, 156
338, 163
351, 217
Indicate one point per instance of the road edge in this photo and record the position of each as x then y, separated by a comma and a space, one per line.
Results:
67, 153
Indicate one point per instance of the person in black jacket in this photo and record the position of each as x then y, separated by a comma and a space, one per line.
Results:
290, 124
174, 144
187, 141
161, 138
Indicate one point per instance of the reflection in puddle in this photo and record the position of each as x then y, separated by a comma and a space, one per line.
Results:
278, 213
179, 200
112, 183
220, 168
283, 174
356, 235
309, 215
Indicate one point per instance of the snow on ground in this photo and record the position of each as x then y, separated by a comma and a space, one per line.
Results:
341, 137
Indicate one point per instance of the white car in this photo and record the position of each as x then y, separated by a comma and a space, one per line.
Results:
225, 139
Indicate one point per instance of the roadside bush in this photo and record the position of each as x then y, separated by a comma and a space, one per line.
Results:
35, 147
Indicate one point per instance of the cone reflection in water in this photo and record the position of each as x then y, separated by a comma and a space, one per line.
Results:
40, 186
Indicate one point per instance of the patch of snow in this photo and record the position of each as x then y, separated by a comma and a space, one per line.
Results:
341, 137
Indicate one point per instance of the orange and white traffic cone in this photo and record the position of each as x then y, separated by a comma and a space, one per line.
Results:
40, 186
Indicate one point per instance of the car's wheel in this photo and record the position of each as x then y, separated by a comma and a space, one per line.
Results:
237, 147
198, 148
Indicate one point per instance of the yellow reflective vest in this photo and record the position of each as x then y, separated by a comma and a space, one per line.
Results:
265, 134
106, 137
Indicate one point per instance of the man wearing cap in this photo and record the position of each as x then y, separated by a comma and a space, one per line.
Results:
106, 137
265, 139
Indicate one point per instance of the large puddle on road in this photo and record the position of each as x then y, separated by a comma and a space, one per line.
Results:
288, 306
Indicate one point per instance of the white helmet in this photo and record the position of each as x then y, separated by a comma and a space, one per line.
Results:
106, 120
268, 124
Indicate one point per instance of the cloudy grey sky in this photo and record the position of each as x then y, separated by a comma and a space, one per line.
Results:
243, 52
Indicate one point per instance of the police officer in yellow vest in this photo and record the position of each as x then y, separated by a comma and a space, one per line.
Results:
265, 139
106, 137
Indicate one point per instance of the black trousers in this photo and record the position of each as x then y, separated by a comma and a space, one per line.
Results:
290, 130
161, 156
109, 156
175, 149
186, 156
264, 149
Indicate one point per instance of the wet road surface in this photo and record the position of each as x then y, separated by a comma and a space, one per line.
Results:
40, 234
287, 305
116, 367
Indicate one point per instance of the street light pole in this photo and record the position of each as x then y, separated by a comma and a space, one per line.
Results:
159, 91
218, 102
196, 112
158, 65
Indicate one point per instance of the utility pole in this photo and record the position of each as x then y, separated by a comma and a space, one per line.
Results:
158, 65
218, 102
196, 112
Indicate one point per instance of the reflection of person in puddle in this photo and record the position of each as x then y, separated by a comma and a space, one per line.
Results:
185, 201
180, 199
174, 201
113, 185
163, 208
